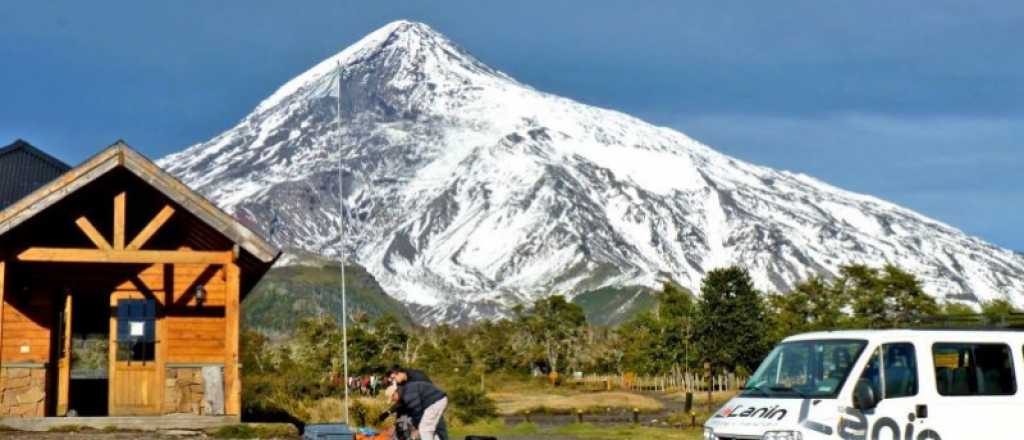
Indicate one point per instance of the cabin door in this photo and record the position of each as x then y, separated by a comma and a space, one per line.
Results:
135, 374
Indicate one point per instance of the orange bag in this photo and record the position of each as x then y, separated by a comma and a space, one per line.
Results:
385, 435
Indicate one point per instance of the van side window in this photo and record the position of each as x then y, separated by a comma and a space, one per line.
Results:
898, 371
965, 369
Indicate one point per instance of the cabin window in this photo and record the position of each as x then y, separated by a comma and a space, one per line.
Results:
895, 365
964, 369
136, 330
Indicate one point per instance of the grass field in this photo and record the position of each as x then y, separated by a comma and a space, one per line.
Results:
582, 431
511, 403
606, 412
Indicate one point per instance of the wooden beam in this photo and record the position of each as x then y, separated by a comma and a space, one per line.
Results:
90, 231
151, 228
71, 255
232, 378
119, 213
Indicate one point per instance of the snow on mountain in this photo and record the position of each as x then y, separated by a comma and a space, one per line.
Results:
469, 191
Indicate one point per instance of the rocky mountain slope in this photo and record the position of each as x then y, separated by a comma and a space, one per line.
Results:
467, 191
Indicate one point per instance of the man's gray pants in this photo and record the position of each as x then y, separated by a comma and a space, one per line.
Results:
431, 418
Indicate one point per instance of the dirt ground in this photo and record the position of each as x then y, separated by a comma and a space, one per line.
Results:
92, 435
157, 436
101, 435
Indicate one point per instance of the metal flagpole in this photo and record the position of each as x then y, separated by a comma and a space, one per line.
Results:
341, 241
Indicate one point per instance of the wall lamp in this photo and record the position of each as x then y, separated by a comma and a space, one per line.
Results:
200, 294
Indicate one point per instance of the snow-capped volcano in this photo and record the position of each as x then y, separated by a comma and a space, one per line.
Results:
469, 191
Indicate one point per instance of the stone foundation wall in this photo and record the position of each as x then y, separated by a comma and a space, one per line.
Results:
194, 390
23, 391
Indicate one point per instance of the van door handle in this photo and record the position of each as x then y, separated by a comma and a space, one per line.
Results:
921, 411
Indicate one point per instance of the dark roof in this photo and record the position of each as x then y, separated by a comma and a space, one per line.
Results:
23, 169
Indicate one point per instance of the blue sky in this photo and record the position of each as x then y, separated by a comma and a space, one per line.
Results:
917, 102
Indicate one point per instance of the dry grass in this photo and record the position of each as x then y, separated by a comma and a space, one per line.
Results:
329, 410
718, 398
626, 432
510, 403
575, 431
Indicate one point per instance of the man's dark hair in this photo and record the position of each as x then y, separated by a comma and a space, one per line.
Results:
397, 369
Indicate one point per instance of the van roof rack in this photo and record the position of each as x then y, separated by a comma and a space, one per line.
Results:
1009, 322
961, 328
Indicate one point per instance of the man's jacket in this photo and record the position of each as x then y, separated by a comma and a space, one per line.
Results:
417, 396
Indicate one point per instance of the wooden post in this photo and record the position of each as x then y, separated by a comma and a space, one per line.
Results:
64, 362
112, 357
232, 381
119, 219
3, 276
707, 374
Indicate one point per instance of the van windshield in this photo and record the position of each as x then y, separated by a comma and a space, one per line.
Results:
805, 369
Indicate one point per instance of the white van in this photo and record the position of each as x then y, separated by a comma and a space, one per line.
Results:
882, 385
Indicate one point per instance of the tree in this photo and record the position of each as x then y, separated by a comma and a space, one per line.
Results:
391, 341
656, 341
885, 298
997, 312
557, 327
957, 310
812, 305
731, 326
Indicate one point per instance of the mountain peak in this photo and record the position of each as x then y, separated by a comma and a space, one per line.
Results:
400, 52
397, 33
406, 26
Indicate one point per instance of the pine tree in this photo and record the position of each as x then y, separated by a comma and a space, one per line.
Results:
731, 327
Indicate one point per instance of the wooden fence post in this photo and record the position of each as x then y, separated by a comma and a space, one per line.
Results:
707, 373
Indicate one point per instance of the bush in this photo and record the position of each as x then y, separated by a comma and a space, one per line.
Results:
471, 404
235, 431
360, 413
256, 430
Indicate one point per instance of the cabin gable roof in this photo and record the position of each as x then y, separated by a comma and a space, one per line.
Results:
120, 155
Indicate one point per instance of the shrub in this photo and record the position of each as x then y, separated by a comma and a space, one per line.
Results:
235, 431
471, 404
256, 430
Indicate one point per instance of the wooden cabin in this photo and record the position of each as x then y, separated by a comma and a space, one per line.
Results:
119, 291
